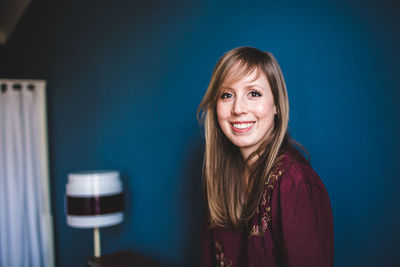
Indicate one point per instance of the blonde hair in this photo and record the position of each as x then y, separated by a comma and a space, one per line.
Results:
231, 201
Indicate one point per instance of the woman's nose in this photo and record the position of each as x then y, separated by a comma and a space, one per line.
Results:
239, 106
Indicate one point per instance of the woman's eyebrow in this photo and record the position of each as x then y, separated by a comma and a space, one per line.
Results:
225, 88
252, 85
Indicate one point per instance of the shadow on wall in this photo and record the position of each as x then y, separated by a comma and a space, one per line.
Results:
192, 204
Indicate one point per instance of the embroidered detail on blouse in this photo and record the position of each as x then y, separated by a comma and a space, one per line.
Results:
265, 204
222, 261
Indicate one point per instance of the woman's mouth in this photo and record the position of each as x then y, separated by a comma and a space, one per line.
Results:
242, 126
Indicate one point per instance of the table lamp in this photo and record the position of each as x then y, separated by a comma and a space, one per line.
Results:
94, 199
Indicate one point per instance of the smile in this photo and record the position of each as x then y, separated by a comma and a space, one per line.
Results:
242, 126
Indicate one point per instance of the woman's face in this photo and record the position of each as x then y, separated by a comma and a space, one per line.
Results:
245, 111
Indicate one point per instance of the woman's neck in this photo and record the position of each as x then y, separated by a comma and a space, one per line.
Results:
246, 155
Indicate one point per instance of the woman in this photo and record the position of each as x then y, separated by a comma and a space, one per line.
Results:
265, 206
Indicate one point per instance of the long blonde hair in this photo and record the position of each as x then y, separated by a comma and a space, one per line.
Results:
231, 201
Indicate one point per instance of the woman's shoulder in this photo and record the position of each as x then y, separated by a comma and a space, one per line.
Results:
288, 161
292, 172
291, 178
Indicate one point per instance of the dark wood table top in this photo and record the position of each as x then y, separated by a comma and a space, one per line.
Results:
122, 259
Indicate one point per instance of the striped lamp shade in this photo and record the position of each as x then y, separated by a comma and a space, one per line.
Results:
94, 199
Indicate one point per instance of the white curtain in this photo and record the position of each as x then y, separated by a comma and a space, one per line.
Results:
26, 231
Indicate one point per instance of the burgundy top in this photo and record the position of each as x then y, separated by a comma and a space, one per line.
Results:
293, 224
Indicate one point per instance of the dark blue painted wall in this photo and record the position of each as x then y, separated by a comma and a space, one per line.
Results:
124, 81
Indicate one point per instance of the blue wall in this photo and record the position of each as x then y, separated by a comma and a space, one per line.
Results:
125, 79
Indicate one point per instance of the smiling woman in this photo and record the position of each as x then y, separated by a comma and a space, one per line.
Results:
266, 206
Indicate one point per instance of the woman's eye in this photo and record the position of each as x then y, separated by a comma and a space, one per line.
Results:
226, 95
254, 94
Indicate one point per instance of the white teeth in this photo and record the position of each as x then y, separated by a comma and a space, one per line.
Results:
242, 125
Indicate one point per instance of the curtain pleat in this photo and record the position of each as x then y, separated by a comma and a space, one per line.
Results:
21, 189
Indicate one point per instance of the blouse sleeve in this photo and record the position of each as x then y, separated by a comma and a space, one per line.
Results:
206, 257
303, 224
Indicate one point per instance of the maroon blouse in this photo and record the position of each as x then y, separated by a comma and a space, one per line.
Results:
293, 225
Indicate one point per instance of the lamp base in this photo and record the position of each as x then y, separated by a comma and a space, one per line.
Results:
97, 244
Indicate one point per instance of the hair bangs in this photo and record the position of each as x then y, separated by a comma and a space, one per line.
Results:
239, 70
